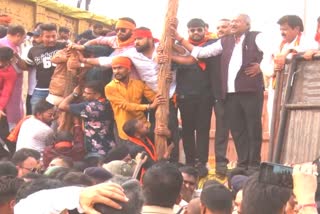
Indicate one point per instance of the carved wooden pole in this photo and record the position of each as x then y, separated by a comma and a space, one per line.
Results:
162, 112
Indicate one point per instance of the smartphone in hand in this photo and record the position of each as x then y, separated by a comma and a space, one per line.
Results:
276, 174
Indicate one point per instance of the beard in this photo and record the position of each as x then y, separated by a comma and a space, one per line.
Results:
142, 48
125, 37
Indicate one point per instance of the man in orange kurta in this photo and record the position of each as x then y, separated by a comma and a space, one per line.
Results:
125, 95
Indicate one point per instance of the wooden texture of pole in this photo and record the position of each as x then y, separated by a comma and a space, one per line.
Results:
162, 112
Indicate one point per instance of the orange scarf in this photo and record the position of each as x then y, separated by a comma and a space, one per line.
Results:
128, 42
13, 136
152, 153
200, 43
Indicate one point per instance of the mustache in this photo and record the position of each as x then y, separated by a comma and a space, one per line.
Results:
283, 34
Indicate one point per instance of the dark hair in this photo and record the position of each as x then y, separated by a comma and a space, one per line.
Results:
77, 179
94, 160
33, 176
64, 30
263, 198
132, 190
9, 187
16, 29
59, 172
67, 160
196, 23
189, 170
217, 197
162, 184
7, 168
98, 174
96, 86
48, 27
79, 166
119, 152
97, 25
292, 20
63, 136
3, 31
129, 127
22, 154
42, 106
37, 185
6, 54
209, 183
128, 19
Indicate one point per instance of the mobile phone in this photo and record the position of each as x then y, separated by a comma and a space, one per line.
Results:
276, 174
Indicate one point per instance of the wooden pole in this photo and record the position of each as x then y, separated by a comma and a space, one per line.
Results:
162, 112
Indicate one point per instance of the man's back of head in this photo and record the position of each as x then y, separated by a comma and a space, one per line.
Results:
217, 199
22, 154
263, 198
132, 190
7, 168
161, 185
8, 189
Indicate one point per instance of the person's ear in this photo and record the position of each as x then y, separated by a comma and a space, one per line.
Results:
12, 203
202, 208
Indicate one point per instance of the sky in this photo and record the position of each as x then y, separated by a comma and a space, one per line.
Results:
264, 13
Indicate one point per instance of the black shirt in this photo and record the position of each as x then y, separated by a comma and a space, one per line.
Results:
40, 57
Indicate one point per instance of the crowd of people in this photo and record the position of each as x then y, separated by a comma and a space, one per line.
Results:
83, 141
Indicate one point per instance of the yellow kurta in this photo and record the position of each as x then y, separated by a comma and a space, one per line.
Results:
126, 101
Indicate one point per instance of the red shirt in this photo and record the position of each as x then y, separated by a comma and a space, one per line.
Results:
8, 78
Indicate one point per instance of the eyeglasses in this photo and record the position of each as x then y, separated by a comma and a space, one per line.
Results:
199, 29
121, 30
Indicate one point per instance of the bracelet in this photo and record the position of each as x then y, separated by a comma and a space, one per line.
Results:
314, 205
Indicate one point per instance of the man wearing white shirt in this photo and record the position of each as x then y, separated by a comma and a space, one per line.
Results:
35, 131
291, 29
143, 57
243, 57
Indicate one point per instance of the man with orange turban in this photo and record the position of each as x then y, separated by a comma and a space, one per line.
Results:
143, 56
125, 95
